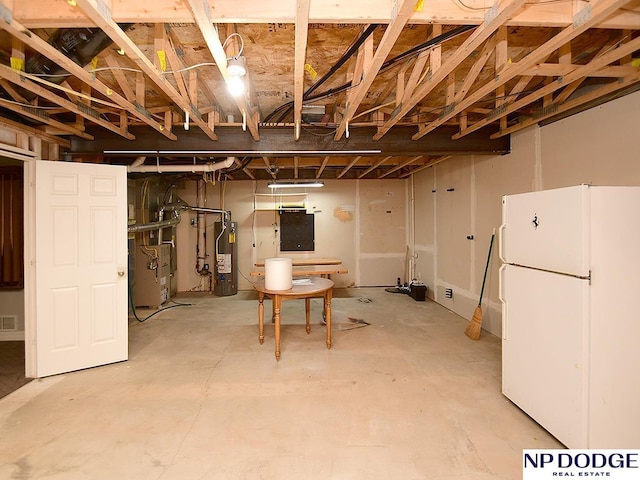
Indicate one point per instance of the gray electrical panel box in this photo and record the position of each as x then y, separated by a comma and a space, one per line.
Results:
153, 275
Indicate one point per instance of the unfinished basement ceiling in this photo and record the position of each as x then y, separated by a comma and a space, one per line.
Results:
353, 89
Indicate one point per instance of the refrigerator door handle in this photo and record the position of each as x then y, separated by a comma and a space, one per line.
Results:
501, 242
502, 298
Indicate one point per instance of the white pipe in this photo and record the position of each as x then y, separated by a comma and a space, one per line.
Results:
206, 167
138, 161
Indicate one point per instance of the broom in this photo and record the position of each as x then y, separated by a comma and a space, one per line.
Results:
475, 325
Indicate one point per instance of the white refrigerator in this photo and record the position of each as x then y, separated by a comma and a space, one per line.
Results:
570, 292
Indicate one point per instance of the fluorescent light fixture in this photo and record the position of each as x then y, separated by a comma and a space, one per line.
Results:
295, 184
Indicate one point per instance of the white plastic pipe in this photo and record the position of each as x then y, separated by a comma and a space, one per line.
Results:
205, 167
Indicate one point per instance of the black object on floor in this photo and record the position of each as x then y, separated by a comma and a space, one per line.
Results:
418, 292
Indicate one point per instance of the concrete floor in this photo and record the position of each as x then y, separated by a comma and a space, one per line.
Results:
407, 397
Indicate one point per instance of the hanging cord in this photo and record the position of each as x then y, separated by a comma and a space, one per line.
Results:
133, 307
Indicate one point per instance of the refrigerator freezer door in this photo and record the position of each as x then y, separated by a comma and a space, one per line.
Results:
544, 349
615, 321
547, 230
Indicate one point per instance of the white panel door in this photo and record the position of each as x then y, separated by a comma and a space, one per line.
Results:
547, 230
80, 267
545, 349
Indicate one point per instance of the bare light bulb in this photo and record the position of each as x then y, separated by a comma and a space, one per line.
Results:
236, 86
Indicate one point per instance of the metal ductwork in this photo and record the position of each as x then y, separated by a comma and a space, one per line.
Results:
80, 45
146, 227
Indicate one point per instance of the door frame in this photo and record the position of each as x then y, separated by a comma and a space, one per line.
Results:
30, 317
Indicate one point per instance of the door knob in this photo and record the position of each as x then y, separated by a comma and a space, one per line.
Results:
121, 273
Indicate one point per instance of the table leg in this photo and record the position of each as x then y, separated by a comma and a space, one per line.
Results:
273, 311
277, 304
327, 307
307, 311
260, 317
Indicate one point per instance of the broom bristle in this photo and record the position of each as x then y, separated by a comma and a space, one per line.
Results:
475, 325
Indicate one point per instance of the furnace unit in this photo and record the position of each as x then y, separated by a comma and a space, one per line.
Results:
153, 275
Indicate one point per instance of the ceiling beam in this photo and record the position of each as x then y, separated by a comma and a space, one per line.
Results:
579, 71
429, 164
361, 86
301, 33
163, 47
33, 132
501, 12
185, 60
244, 169
39, 114
85, 112
58, 13
591, 16
374, 166
348, 167
121, 78
276, 141
557, 108
323, 166
403, 164
101, 16
201, 12
416, 75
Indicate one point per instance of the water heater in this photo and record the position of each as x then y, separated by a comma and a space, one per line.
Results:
226, 265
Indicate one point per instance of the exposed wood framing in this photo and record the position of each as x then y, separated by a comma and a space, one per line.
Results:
202, 15
405, 10
25, 131
506, 8
402, 165
302, 30
35, 42
84, 112
579, 71
596, 14
348, 167
102, 18
48, 13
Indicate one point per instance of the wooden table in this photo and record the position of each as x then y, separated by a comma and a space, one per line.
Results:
308, 261
317, 287
309, 270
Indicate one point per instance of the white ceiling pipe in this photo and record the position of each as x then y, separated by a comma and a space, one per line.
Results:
138, 161
194, 168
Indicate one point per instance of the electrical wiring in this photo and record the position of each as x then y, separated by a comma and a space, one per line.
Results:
66, 90
142, 320
197, 65
226, 41
468, 7
28, 105
286, 107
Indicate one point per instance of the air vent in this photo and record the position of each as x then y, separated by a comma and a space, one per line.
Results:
8, 323
313, 113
